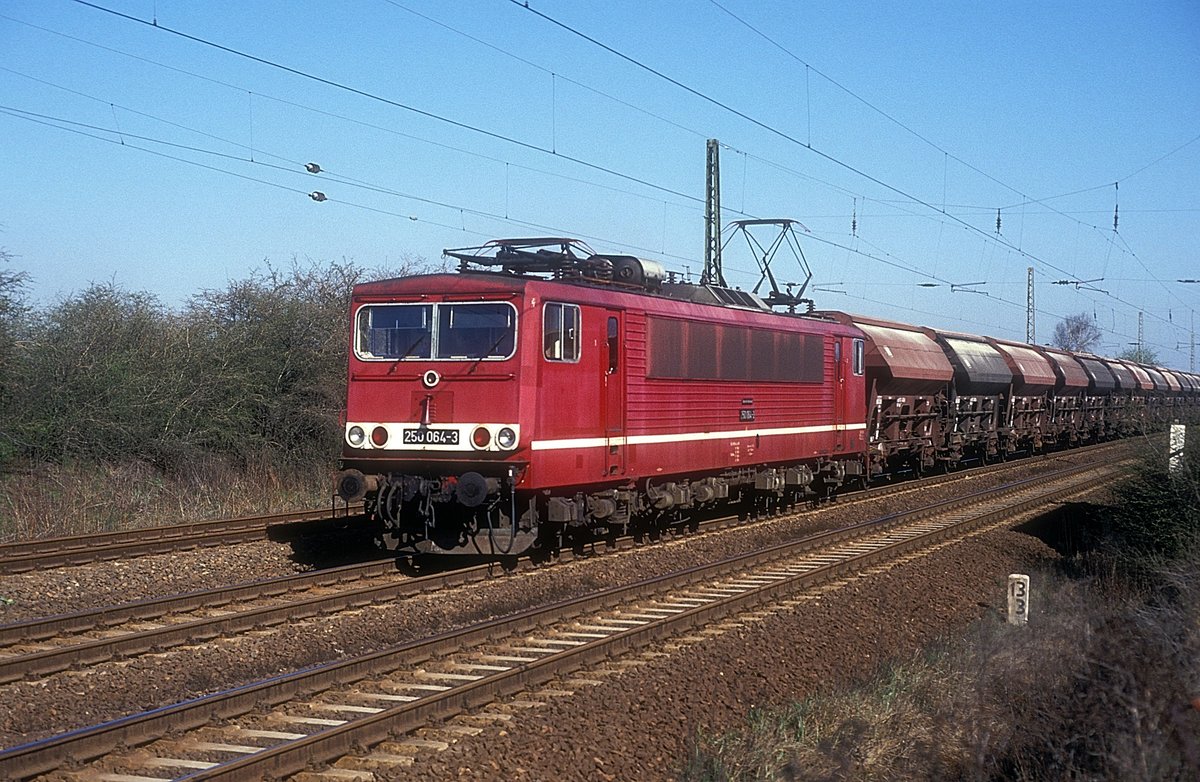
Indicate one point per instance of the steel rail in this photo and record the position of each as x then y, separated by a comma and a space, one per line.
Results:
44, 553
337, 742
90, 743
58, 656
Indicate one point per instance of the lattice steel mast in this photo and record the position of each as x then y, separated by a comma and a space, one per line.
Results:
1030, 335
712, 217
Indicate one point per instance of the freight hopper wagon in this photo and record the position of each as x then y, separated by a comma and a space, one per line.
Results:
975, 403
1027, 425
1068, 401
1136, 406
908, 379
1101, 384
1189, 399
1158, 402
1172, 397
544, 395
935, 398
1121, 407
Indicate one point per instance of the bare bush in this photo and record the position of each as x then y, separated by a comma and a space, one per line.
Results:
97, 379
271, 360
1140, 354
13, 311
1094, 688
255, 370
108, 385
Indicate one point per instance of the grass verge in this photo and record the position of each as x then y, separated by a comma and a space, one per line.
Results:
41, 500
1104, 683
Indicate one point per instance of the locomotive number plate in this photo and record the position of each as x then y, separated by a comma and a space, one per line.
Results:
430, 437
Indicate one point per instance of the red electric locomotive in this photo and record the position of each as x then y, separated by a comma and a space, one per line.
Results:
545, 394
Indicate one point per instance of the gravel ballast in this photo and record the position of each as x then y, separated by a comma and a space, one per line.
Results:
841, 634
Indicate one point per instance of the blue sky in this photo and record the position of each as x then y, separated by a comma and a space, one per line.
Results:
916, 121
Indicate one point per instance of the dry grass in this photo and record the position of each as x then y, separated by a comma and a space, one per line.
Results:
1096, 687
48, 500
1103, 684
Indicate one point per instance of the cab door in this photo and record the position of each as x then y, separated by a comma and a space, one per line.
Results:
839, 393
612, 380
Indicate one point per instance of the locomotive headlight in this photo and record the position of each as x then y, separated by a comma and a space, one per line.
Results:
356, 436
506, 438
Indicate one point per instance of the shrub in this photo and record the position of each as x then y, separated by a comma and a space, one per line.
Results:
13, 313
1094, 688
253, 371
97, 379
1104, 683
270, 375
1155, 515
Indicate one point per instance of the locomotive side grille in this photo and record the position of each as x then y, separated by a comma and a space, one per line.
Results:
693, 350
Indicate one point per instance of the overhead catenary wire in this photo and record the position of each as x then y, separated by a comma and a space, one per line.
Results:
154, 23
423, 140
222, 139
523, 4
330, 174
528, 145
94, 133
1026, 198
736, 112
554, 74
551, 152
382, 99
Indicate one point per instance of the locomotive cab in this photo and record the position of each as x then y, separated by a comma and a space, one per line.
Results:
433, 439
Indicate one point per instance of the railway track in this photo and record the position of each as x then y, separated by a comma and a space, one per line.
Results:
43, 646
45, 553
322, 714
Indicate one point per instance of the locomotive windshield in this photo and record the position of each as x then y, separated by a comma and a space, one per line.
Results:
409, 332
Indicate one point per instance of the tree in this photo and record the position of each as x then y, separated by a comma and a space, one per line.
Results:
1142, 355
255, 371
12, 304
1076, 333
13, 311
98, 381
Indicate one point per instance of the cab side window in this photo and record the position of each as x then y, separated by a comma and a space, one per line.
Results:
614, 346
560, 332
859, 363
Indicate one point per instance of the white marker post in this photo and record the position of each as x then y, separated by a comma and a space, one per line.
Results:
1175, 449
1018, 599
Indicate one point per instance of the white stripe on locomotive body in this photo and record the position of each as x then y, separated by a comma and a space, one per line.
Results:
395, 439
687, 437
